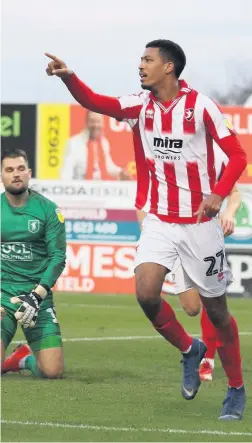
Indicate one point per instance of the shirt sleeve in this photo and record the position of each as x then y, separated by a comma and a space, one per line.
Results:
55, 240
220, 161
124, 108
220, 130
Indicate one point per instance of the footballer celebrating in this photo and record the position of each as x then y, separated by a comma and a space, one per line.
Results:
174, 128
33, 253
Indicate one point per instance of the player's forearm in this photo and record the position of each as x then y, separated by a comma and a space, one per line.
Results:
53, 271
92, 101
236, 165
233, 202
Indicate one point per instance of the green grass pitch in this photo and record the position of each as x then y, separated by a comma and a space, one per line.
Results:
122, 382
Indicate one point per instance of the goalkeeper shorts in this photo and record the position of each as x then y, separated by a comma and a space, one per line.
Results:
46, 332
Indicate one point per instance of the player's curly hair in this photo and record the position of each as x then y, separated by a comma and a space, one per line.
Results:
13, 153
171, 51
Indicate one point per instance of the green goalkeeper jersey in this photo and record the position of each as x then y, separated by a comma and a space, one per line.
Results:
33, 242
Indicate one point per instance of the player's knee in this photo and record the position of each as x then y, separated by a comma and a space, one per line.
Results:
148, 284
146, 294
147, 297
149, 300
149, 280
51, 370
52, 373
190, 302
192, 311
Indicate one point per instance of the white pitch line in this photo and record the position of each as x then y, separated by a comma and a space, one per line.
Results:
76, 339
123, 429
123, 338
98, 306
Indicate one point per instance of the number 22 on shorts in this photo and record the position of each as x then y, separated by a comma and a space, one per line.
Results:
211, 271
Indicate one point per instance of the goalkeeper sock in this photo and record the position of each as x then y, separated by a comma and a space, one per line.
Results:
30, 363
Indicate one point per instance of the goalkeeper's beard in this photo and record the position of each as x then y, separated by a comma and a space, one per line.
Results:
16, 191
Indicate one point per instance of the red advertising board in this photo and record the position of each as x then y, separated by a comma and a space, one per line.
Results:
241, 119
99, 268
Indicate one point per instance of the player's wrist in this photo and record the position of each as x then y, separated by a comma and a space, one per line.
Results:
228, 213
218, 195
36, 299
68, 75
41, 291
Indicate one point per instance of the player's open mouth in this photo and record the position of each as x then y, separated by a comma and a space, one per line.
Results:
142, 76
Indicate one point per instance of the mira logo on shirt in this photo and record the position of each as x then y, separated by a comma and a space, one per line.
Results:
164, 148
16, 251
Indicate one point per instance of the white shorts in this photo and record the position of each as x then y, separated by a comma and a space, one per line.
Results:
198, 249
182, 282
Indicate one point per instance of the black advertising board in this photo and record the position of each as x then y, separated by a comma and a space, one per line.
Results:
18, 129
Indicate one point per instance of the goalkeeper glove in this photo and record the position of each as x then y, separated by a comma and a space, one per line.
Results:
27, 314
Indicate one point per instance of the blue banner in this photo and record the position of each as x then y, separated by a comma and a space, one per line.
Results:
93, 230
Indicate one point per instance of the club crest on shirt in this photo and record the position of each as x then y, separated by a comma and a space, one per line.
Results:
189, 114
33, 226
149, 113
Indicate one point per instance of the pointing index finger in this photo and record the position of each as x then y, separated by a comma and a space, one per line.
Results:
200, 213
51, 56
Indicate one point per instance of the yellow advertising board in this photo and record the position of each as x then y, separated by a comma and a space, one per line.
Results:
52, 135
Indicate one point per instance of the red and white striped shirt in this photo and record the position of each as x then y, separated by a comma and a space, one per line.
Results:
173, 145
220, 161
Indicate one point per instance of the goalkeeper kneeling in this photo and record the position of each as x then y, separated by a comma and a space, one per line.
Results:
33, 253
